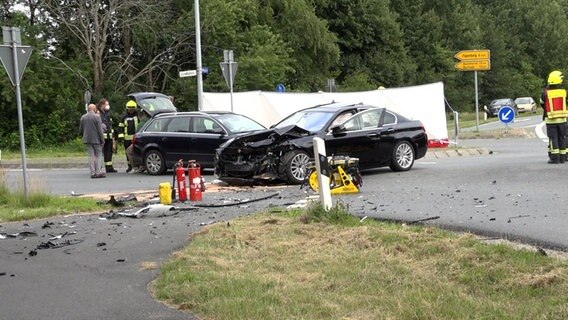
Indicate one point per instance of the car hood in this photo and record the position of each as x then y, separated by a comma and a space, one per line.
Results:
269, 137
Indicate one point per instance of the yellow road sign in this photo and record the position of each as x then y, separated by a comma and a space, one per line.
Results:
466, 55
473, 65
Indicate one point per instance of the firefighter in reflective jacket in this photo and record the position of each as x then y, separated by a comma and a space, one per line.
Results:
104, 111
127, 127
553, 101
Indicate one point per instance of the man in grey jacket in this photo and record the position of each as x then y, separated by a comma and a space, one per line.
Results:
91, 128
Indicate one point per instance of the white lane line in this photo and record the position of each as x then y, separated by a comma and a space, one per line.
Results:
539, 130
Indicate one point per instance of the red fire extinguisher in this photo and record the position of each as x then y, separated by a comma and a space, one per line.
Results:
195, 180
180, 176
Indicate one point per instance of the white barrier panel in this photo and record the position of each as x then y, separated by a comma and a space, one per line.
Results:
424, 102
322, 168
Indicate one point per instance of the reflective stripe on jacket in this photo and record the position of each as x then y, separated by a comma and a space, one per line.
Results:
555, 103
127, 127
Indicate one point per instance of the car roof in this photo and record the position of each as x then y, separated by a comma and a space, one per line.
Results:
143, 95
193, 113
335, 106
501, 99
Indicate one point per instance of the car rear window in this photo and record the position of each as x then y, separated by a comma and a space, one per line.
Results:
179, 125
157, 125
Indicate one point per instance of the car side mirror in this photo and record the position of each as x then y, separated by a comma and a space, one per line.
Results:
338, 129
219, 131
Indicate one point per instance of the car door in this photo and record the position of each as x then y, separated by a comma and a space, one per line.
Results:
359, 137
174, 141
206, 136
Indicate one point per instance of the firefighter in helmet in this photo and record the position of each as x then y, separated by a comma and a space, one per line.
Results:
553, 101
104, 111
127, 127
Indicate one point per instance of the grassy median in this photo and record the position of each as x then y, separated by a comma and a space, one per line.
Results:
15, 206
316, 265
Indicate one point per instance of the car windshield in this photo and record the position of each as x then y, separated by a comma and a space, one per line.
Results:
157, 104
523, 100
237, 123
310, 120
500, 101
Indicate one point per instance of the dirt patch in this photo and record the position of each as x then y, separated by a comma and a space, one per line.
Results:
145, 195
499, 133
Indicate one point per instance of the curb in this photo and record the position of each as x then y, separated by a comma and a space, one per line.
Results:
120, 163
454, 152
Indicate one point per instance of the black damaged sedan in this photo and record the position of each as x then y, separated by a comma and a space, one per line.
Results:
377, 136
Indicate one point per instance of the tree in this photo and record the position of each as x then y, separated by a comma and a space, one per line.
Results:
114, 36
370, 40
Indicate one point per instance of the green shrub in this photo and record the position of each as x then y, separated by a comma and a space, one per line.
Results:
337, 214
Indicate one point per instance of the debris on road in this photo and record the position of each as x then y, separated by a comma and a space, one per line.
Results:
236, 202
423, 220
21, 235
55, 245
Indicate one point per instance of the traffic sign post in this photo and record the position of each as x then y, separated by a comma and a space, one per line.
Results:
506, 115
474, 60
468, 55
473, 65
15, 65
229, 69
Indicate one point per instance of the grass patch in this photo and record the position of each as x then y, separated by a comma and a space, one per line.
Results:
309, 265
74, 148
14, 206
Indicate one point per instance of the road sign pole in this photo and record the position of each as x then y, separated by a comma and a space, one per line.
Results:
19, 106
476, 102
198, 57
231, 81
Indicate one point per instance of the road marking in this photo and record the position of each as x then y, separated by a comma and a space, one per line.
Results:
522, 119
20, 170
540, 132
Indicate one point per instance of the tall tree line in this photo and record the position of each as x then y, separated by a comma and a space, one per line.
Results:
113, 47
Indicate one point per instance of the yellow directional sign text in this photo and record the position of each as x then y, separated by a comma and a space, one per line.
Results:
473, 65
466, 55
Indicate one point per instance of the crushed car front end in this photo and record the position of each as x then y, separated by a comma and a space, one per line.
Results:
258, 155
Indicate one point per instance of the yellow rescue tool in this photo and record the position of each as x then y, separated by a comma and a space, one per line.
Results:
344, 178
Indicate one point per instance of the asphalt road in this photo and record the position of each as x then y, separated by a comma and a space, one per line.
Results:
511, 193
104, 270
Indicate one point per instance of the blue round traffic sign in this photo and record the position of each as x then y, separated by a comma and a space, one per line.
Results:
506, 114
280, 88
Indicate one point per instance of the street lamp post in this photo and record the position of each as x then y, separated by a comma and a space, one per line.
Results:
198, 58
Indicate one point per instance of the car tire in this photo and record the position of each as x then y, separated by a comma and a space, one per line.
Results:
293, 166
402, 156
154, 162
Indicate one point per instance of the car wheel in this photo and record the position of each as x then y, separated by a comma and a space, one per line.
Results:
293, 166
402, 156
154, 163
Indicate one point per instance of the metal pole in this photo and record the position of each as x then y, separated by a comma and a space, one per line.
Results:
476, 103
20, 117
198, 58
231, 80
